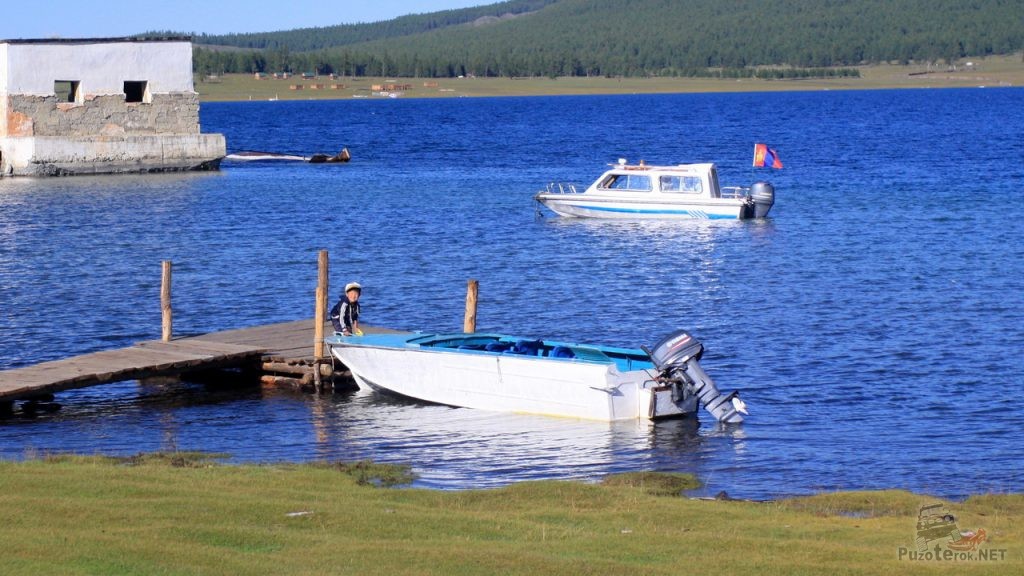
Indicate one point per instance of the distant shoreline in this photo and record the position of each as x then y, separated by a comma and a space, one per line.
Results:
992, 72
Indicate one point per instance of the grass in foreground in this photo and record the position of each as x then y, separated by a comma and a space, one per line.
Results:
183, 514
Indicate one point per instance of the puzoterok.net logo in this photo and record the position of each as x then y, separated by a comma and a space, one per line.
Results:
939, 539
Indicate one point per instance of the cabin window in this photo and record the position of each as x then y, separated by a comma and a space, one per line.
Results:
136, 91
632, 182
683, 184
66, 90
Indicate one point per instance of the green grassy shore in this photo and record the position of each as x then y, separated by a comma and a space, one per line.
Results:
184, 514
995, 71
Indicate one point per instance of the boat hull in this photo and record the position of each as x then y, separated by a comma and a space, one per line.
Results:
510, 383
578, 206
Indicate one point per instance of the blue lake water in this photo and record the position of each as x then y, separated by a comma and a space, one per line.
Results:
874, 324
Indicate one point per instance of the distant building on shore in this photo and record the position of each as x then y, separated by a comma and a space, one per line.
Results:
93, 106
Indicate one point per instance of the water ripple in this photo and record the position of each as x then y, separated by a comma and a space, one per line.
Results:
873, 324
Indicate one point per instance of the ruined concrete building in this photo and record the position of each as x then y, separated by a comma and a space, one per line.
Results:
91, 106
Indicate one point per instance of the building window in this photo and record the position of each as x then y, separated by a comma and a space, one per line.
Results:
66, 90
136, 91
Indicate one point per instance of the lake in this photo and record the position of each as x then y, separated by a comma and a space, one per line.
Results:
874, 323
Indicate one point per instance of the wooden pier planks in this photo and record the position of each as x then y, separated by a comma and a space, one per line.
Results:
290, 342
143, 360
285, 339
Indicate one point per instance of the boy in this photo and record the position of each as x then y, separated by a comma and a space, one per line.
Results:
345, 314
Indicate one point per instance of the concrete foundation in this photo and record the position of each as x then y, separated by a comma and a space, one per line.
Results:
60, 156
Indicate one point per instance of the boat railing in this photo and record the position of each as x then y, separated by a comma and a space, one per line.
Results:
734, 192
560, 188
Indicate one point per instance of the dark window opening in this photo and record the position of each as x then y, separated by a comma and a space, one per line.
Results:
66, 90
135, 91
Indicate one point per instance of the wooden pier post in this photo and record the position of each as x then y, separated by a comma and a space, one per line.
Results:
320, 316
165, 300
472, 291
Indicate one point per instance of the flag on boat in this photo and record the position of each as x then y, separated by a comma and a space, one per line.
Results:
765, 156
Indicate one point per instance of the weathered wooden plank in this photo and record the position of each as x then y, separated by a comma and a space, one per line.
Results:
202, 346
95, 371
286, 382
286, 342
285, 368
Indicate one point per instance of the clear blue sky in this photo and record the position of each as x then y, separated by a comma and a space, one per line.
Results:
112, 18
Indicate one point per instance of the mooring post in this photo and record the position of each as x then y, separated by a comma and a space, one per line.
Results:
319, 317
321, 306
165, 300
472, 290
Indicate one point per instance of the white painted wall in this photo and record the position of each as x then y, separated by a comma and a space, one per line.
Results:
102, 68
3, 66
3, 100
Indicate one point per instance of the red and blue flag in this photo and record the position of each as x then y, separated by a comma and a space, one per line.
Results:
765, 156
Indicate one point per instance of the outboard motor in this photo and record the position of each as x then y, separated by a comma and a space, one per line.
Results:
763, 195
676, 356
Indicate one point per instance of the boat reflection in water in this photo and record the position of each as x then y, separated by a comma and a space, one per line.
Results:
448, 448
459, 448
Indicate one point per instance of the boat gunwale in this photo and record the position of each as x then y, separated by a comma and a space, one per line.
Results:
601, 198
409, 343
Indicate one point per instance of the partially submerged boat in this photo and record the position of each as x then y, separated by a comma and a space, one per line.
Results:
646, 191
508, 374
257, 156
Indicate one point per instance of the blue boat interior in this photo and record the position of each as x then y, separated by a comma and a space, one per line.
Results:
624, 359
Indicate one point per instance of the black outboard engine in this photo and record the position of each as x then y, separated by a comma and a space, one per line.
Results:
763, 195
676, 356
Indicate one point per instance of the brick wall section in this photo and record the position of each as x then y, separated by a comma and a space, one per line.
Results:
110, 116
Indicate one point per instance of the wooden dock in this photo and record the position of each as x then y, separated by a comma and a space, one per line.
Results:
280, 354
284, 354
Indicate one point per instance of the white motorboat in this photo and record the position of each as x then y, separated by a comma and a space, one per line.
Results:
646, 191
509, 374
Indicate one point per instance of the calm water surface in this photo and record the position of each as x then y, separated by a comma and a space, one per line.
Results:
874, 324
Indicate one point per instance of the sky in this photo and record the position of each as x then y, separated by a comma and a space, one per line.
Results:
115, 18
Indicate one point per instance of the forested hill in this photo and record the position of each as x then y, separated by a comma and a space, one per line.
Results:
634, 37
307, 39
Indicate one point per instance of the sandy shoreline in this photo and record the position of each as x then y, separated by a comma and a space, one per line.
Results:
993, 72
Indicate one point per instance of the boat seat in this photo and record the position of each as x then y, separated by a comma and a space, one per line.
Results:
562, 352
591, 354
498, 346
527, 347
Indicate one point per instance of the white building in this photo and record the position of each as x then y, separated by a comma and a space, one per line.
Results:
89, 106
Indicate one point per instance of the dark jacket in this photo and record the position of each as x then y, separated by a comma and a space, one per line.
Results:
344, 314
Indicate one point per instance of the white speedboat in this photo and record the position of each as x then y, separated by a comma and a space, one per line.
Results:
509, 374
645, 191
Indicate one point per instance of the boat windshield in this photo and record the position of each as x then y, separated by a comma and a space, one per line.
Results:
630, 182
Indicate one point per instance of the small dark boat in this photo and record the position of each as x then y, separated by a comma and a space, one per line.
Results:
256, 156
342, 156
